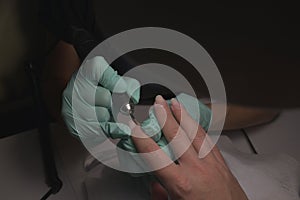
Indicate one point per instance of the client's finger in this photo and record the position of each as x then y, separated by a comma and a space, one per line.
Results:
175, 135
194, 130
164, 168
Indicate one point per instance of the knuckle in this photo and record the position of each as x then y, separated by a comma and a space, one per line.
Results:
183, 186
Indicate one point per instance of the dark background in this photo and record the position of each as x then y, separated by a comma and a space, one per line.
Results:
256, 47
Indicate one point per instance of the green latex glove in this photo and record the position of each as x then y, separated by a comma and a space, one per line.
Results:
89, 92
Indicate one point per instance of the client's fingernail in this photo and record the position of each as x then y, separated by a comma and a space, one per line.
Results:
159, 99
175, 104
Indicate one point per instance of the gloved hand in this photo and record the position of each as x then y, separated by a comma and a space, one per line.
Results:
89, 92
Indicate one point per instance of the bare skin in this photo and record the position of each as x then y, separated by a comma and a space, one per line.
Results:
194, 177
60, 65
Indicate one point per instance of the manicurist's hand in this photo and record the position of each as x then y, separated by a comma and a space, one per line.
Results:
89, 93
193, 177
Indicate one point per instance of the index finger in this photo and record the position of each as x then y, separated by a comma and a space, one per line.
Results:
176, 136
195, 131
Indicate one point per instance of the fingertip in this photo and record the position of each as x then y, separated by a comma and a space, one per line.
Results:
160, 105
159, 100
175, 104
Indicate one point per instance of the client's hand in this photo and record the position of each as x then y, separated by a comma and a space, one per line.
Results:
193, 177
89, 93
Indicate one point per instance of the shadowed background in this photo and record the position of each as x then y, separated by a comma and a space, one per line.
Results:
254, 47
